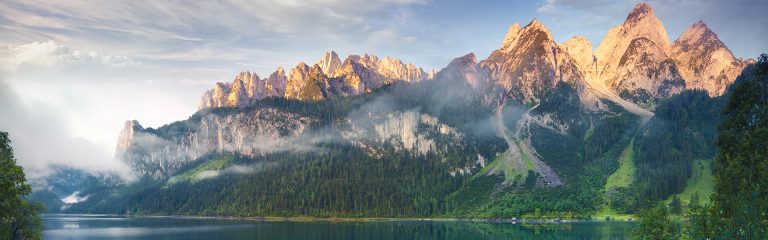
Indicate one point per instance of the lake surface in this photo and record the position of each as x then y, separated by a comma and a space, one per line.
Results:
112, 227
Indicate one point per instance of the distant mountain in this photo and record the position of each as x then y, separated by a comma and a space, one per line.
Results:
537, 127
331, 77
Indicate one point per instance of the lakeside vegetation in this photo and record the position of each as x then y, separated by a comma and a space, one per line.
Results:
18, 216
738, 207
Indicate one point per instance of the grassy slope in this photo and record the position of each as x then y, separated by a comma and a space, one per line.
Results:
623, 177
701, 182
191, 175
625, 174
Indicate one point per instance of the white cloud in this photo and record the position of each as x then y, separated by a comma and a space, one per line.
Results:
66, 106
549, 6
48, 54
41, 137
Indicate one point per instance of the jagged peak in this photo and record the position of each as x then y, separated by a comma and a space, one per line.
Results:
468, 59
315, 69
536, 26
329, 62
515, 34
699, 33
246, 76
133, 124
640, 11
578, 38
470, 56
700, 24
511, 36
535, 22
330, 54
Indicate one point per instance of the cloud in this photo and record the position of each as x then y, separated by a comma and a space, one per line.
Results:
41, 137
47, 54
206, 30
235, 169
549, 6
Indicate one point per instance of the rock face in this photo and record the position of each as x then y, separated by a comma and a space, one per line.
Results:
410, 131
704, 61
580, 49
249, 133
125, 139
633, 58
329, 63
263, 131
529, 63
373, 72
465, 70
296, 81
244, 89
356, 75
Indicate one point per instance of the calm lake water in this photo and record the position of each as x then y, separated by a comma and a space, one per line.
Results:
111, 227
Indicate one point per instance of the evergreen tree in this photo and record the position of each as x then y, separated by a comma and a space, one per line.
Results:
675, 206
18, 217
739, 207
655, 224
694, 200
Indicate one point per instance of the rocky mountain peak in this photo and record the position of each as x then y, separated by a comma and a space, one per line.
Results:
530, 63
315, 85
536, 26
641, 11
580, 49
329, 63
464, 69
316, 69
511, 38
125, 139
699, 35
704, 61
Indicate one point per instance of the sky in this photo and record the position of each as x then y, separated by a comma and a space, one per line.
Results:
71, 72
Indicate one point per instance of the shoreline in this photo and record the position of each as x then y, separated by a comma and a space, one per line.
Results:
348, 219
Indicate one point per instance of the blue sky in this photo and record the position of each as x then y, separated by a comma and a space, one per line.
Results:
89, 65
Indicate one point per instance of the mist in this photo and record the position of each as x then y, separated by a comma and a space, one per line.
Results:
41, 138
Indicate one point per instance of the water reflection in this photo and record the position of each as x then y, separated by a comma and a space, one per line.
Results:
109, 227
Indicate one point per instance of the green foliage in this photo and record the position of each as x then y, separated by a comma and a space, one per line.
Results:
655, 224
694, 202
194, 175
676, 207
18, 217
474, 194
739, 208
622, 199
337, 180
625, 175
682, 130
700, 185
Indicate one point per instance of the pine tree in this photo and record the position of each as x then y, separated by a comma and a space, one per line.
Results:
675, 206
655, 224
694, 200
739, 207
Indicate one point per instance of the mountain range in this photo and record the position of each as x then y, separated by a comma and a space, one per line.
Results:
538, 128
